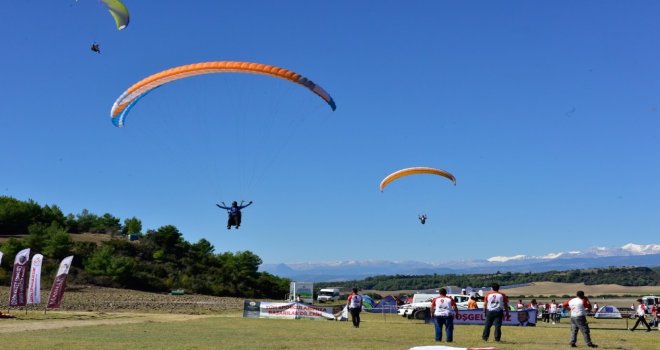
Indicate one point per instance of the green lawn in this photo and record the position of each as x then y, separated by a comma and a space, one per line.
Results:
377, 332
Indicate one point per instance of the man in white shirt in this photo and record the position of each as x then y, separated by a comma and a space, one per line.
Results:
354, 305
579, 306
640, 313
496, 307
444, 309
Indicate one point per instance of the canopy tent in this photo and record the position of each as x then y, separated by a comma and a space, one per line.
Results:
608, 311
367, 303
386, 306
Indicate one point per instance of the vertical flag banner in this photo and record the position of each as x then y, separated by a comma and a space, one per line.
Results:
34, 285
0, 257
57, 291
18, 289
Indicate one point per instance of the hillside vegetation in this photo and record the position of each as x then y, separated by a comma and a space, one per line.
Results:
159, 261
624, 276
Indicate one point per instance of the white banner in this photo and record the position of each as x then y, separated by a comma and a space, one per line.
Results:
265, 309
0, 257
57, 291
34, 285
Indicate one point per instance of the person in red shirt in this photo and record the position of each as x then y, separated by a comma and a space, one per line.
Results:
443, 309
496, 307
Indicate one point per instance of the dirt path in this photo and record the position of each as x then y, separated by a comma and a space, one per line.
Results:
57, 320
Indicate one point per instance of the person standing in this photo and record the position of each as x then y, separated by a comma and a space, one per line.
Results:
444, 309
552, 313
496, 307
533, 305
354, 304
472, 303
640, 313
579, 306
545, 316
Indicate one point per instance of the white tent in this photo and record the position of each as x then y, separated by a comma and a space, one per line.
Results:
608, 311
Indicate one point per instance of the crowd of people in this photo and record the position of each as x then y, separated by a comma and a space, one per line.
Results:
497, 308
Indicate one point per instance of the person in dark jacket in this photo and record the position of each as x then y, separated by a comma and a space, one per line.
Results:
234, 213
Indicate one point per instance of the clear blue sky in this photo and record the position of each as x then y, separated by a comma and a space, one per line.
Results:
547, 113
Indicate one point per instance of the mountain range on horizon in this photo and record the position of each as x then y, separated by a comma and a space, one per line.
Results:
630, 254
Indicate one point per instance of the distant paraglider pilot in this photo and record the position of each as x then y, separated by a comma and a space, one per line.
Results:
95, 47
422, 219
234, 213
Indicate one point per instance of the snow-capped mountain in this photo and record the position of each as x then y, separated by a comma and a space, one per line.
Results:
630, 249
630, 254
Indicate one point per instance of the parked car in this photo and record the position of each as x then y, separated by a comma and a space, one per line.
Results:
421, 305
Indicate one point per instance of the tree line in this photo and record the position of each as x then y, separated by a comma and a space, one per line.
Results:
625, 276
162, 260
159, 261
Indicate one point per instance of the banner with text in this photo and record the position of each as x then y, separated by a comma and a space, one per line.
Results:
516, 318
18, 288
264, 309
57, 291
34, 285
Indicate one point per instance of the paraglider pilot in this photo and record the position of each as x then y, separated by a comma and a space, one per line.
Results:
95, 47
234, 213
422, 219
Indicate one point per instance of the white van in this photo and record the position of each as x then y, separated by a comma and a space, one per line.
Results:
327, 294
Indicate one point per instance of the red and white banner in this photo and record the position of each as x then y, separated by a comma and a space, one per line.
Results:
264, 309
57, 291
18, 288
34, 285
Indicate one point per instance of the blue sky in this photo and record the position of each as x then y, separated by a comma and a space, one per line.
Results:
546, 113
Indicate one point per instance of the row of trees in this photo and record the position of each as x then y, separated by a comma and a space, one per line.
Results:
625, 276
17, 216
160, 261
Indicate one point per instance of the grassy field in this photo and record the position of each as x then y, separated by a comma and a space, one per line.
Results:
105, 318
94, 330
